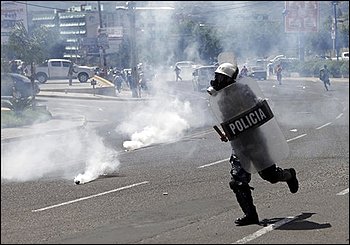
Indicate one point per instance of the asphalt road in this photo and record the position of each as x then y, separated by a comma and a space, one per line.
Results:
177, 192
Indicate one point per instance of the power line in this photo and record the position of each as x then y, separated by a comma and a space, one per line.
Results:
234, 6
36, 5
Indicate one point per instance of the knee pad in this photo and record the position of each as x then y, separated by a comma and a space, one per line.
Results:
239, 187
238, 184
272, 174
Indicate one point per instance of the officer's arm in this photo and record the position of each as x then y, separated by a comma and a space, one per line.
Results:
222, 135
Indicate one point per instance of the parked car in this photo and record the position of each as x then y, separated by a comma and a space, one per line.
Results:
258, 72
58, 68
277, 58
186, 67
21, 83
342, 56
202, 76
286, 63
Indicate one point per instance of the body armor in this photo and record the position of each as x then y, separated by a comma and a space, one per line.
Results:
249, 124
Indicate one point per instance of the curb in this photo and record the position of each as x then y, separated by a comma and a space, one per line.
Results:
89, 96
17, 138
7, 139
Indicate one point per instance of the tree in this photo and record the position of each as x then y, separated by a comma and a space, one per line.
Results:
209, 45
31, 47
196, 41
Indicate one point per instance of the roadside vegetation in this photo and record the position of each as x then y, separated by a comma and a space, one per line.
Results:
32, 48
311, 68
11, 118
18, 111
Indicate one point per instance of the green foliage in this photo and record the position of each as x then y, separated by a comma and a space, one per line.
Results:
319, 41
312, 67
30, 47
344, 68
10, 119
19, 105
194, 36
20, 112
5, 65
208, 43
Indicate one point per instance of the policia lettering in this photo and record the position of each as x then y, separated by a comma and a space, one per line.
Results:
252, 118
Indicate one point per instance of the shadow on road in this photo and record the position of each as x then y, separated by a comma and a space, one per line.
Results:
299, 224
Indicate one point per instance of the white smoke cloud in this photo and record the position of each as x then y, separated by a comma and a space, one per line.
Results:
162, 120
57, 157
100, 160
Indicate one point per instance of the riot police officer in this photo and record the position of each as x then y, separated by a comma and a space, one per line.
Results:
249, 125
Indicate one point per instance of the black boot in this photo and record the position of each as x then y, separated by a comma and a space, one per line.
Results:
245, 201
248, 219
275, 174
293, 183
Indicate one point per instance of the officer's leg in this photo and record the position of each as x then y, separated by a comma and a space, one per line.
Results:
275, 174
240, 185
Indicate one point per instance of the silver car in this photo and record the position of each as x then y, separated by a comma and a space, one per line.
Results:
22, 85
202, 76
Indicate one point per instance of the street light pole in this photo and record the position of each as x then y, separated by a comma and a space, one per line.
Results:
335, 46
103, 53
133, 58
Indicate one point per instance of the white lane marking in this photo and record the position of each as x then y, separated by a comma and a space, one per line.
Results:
265, 230
296, 137
88, 197
339, 116
324, 125
209, 164
223, 160
198, 134
346, 191
304, 112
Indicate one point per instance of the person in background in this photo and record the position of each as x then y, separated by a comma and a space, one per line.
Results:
324, 77
133, 83
177, 73
118, 80
13, 66
71, 71
244, 72
279, 73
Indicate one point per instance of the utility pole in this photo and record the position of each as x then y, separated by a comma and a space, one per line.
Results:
133, 57
335, 30
102, 49
130, 9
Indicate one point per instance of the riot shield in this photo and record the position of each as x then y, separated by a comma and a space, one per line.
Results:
249, 124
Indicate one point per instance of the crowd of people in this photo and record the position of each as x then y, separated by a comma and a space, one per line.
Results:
136, 80
18, 66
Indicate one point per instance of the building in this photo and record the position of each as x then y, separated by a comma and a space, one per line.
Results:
79, 28
11, 13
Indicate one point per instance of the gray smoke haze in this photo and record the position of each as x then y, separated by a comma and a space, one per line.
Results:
166, 117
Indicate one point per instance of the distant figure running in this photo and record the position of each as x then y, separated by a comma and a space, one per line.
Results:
177, 72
